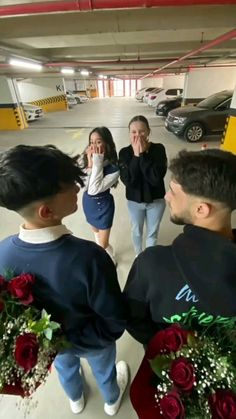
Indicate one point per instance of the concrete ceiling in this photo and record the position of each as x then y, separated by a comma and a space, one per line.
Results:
121, 42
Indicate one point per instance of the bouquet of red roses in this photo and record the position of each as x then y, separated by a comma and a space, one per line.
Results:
186, 374
29, 340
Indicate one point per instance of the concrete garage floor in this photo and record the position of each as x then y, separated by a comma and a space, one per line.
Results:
69, 131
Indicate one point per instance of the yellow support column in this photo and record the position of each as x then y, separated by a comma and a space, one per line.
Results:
229, 135
12, 116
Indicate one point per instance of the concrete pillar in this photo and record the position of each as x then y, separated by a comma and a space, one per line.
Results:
12, 116
229, 135
48, 93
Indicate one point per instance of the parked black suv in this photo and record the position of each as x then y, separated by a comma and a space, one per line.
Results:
208, 116
165, 106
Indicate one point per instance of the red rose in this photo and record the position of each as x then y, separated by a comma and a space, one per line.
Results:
168, 340
223, 404
26, 351
171, 406
21, 287
182, 374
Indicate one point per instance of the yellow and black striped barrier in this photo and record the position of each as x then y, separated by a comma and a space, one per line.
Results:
52, 103
12, 117
229, 134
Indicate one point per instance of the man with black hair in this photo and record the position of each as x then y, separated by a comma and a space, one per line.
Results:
193, 280
76, 280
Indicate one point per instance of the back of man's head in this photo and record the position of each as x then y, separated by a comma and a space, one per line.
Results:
209, 174
29, 174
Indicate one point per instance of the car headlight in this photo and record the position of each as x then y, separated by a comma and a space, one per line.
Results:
162, 105
181, 119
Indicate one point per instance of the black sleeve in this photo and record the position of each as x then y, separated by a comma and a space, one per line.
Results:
129, 168
139, 324
154, 164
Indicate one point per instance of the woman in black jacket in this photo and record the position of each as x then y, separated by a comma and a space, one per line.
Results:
143, 165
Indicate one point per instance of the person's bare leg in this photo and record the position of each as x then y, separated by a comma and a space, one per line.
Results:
103, 236
104, 242
96, 234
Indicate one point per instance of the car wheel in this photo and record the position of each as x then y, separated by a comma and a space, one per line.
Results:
194, 132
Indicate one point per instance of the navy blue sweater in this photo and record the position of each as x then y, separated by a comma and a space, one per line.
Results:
76, 282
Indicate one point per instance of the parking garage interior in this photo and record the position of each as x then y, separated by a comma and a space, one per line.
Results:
121, 46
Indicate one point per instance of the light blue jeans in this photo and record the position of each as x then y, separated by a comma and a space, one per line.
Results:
103, 366
151, 214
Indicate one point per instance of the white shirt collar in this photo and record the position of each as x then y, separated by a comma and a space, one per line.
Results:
43, 235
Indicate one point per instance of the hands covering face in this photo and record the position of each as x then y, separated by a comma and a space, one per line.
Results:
139, 133
139, 144
93, 149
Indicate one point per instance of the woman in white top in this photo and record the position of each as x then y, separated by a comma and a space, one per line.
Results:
101, 165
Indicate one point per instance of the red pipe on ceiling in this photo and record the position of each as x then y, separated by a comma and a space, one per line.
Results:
86, 5
222, 38
111, 62
174, 69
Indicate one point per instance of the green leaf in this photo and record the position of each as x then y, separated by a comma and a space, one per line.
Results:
191, 341
9, 274
45, 315
159, 364
48, 333
54, 325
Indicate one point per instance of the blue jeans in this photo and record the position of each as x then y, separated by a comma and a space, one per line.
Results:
151, 213
103, 366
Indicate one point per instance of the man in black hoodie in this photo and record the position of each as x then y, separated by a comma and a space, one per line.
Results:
194, 278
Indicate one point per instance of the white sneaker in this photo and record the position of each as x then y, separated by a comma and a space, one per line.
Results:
78, 406
122, 371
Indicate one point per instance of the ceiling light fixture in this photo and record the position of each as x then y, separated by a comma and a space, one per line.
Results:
101, 76
26, 64
84, 73
67, 71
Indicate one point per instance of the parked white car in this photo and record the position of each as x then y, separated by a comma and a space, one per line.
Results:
147, 95
32, 112
78, 97
71, 100
154, 99
81, 98
140, 93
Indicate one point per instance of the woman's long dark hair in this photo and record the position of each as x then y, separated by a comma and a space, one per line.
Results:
110, 153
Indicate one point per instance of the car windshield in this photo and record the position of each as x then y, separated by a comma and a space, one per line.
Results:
214, 100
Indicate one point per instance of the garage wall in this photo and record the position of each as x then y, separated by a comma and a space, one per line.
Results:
201, 83
152, 82
85, 87
173, 81
88, 87
49, 93
167, 81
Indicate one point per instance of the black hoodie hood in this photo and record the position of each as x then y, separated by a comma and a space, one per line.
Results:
207, 263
